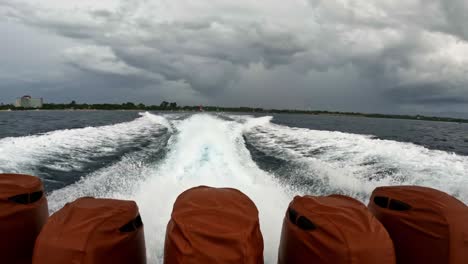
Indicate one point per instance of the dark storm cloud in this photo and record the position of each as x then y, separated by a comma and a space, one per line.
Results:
426, 94
330, 54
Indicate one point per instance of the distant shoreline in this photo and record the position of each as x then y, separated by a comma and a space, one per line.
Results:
165, 106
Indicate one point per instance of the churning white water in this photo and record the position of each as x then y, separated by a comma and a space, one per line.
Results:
203, 149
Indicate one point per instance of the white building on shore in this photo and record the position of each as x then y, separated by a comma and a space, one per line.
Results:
29, 102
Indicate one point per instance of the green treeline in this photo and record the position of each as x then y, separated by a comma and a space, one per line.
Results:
172, 106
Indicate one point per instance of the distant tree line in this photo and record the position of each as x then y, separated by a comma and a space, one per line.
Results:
172, 106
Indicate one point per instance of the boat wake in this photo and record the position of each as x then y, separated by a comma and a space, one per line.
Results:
154, 158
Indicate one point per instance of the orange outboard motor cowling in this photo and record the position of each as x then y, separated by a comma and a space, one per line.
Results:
23, 212
90, 231
333, 229
426, 225
213, 225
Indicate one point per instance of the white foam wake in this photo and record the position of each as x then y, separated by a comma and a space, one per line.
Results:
204, 150
356, 164
70, 148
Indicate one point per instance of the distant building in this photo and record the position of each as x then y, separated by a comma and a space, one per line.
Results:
29, 102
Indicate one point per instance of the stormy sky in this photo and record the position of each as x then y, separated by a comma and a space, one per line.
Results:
388, 56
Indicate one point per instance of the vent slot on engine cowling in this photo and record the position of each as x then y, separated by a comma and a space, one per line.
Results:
381, 201
292, 215
305, 224
27, 198
133, 225
300, 221
396, 205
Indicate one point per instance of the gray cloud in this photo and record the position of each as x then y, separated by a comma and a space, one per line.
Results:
427, 94
456, 15
392, 55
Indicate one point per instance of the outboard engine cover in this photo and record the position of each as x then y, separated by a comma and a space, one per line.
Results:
213, 225
91, 231
426, 225
23, 212
333, 229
